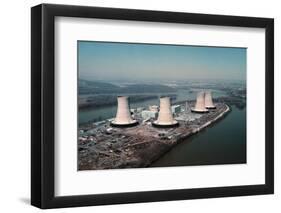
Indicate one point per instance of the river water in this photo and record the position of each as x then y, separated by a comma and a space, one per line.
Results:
224, 142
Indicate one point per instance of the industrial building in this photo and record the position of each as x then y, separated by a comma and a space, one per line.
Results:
139, 109
176, 109
165, 117
153, 108
209, 100
123, 116
200, 104
148, 114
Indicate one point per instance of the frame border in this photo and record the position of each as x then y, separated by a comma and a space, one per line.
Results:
43, 111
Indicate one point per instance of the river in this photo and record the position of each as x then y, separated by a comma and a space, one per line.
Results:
223, 142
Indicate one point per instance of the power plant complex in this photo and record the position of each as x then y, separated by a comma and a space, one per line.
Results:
162, 116
154, 130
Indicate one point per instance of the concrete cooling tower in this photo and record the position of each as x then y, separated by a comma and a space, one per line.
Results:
200, 104
209, 100
165, 117
123, 116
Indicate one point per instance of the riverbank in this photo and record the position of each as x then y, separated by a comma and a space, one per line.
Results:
104, 147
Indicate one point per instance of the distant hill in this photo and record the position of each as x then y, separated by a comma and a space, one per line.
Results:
99, 84
149, 88
98, 87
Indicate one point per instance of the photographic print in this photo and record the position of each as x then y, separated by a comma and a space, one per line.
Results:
134, 95
160, 105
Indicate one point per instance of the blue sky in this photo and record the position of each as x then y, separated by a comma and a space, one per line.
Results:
111, 61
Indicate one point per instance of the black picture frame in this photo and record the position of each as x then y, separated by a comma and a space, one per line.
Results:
43, 110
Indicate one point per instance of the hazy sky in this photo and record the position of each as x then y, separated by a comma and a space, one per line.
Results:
128, 61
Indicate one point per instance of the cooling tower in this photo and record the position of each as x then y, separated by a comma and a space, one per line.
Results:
209, 101
123, 116
200, 103
165, 116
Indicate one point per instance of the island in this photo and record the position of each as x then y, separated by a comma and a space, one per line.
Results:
102, 146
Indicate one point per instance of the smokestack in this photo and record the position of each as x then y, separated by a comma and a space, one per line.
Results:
200, 103
209, 101
123, 116
187, 108
165, 117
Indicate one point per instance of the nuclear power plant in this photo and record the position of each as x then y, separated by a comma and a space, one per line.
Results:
165, 117
200, 104
108, 143
123, 116
209, 100
162, 116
